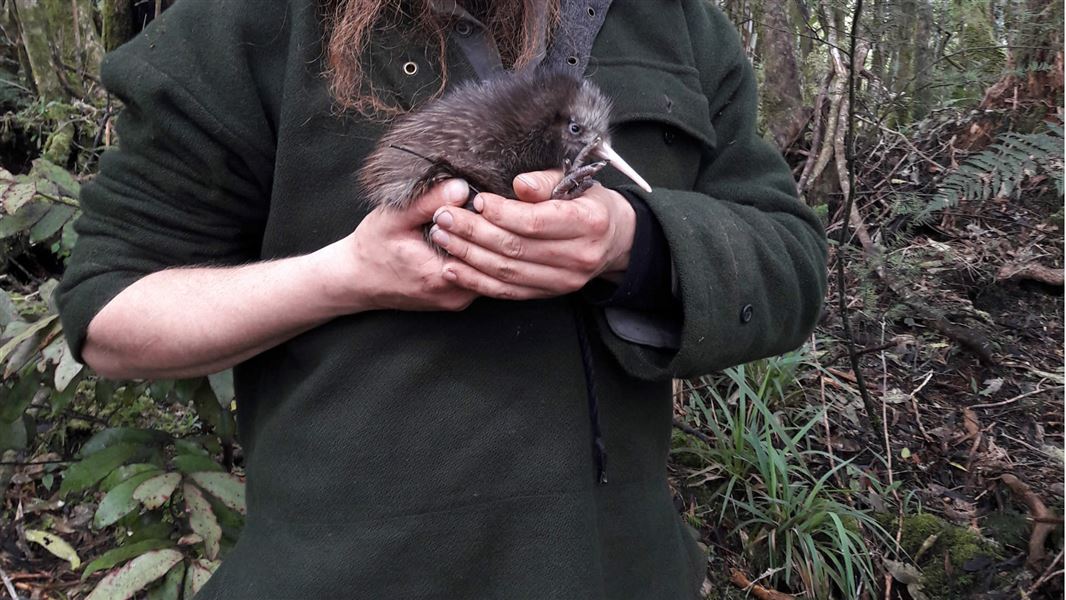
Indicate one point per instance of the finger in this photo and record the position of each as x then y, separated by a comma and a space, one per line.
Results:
508, 270
536, 186
468, 277
451, 192
573, 254
549, 220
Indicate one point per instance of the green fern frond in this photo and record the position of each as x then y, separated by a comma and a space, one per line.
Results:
1001, 169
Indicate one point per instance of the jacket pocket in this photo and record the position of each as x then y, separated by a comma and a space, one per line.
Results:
660, 123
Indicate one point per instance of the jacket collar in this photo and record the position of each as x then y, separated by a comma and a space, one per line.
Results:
580, 22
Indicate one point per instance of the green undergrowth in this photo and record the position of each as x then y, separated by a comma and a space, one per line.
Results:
149, 461
755, 476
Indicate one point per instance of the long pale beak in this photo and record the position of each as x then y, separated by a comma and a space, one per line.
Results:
605, 152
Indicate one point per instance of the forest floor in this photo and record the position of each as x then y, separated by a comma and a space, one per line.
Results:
972, 427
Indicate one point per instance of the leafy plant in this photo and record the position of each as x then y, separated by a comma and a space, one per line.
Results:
1001, 169
795, 526
172, 509
36, 368
40, 207
153, 491
180, 513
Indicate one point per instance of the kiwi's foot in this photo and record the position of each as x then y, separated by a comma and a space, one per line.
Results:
577, 180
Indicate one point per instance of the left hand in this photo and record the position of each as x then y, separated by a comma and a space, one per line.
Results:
536, 247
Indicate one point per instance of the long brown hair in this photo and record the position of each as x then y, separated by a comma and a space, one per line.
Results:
350, 26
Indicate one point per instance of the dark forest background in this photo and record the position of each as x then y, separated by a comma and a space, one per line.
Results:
913, 448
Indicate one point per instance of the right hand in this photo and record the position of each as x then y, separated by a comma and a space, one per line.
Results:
386, 263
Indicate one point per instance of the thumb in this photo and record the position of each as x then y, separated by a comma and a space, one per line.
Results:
450, 192
536, 186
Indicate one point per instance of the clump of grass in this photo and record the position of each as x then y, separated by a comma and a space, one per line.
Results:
795, 527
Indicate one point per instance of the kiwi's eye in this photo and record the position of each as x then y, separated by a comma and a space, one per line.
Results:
575, 128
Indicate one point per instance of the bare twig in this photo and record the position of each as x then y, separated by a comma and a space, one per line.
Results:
906, 141
973, 431
1016, 398
7, 584
884, 409
888, 459
19, 463
59, 199
739, 579
1048, 574
914, 404
844, 240
693, 432
101, 131
825, 417
862, 351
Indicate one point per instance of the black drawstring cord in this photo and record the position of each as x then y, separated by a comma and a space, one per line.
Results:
599, 449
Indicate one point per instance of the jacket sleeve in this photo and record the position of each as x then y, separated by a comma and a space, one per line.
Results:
189, 181
749, 258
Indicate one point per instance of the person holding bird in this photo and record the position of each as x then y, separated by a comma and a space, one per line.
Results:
432, 418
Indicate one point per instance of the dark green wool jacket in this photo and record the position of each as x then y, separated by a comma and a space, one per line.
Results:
448, 455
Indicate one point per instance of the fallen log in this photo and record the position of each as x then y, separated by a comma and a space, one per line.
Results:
1031, 271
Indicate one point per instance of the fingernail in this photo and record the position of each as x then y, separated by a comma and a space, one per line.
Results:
479, 203
450, 275
443, 218
529, 182
457, 188
439, 237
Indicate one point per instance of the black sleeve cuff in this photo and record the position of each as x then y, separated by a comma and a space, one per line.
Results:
647, 285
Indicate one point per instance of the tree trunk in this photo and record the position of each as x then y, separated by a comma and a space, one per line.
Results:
802, 14
1035, 62
877, 35
117, 19
902, 68
32, 21
61, 45
923, 60
782, 94
1031, 86
10, 49
74, 36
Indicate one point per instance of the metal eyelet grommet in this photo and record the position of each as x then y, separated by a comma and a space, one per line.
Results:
410, 67
592, 12
463, 28
746, 313
572, 61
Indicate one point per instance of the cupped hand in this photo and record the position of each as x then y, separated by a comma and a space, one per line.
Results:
386, 262
536, 247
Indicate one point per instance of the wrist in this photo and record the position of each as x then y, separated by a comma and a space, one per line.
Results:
338, 277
